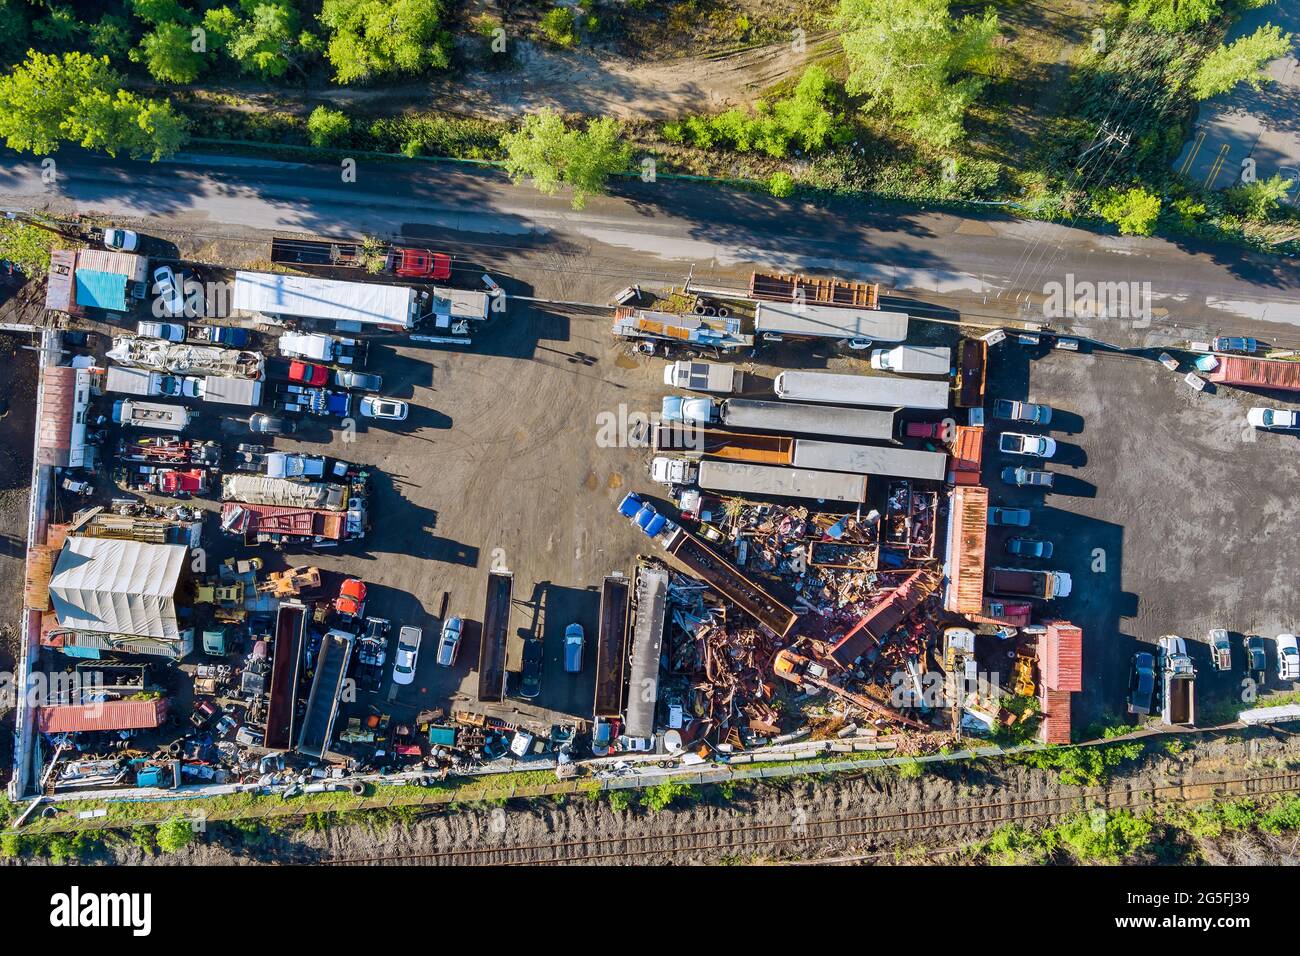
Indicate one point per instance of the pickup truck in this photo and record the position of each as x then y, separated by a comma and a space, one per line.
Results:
1018, 443
1256, 657
643, 514
1273, 418
1220, 649
222, 335
679, 408
1288, 658
1178, 691
1026, 582
303, 373
281, 464
1012, 410
1027, 477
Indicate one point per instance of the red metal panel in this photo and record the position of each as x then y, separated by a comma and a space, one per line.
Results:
1055, 707
1063, 657
107, 715
1258, 373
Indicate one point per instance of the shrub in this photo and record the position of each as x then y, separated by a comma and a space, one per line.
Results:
1134, 211
620, 801
1105, 836
176, 834
327, 127
558, 26
780, 185
661, 795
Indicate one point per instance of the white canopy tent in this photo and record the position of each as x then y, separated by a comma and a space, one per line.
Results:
118, 587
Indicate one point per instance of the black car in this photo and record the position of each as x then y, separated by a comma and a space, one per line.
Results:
530, 678
264, 424
1256, 657
1142, 684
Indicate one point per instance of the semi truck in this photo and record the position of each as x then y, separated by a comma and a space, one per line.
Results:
1026, 582
765, 481
839, 389
134, 414
703, 377
774, 321
226, 391
405, 262
1256, 373
319, 347
789, 417
870, 460
327, 300
1178, 683
913, 360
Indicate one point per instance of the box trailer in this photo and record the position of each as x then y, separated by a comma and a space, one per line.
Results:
139, 381
836, 388
1256, 373
229, 391
329, 300
789, 417
768, 481
913, 360
774, 321
870, 459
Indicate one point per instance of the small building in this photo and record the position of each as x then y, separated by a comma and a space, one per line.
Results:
61, 432
1060, 662
967, 540
81, 279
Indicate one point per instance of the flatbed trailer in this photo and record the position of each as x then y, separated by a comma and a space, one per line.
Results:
326, 692
691, 440
258, 523
789, 287
496, 628
611, 647
725, 578
315, 252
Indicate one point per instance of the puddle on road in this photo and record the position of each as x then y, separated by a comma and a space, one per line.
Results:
615, 482
591, 482
623, 360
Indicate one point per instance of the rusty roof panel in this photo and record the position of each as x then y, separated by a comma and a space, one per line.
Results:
967, 537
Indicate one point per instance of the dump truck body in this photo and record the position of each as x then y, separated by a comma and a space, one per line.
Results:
1031, 583
879, 390
1178, 683
685, 439
766, 481
797, 419
611, 646
496, 629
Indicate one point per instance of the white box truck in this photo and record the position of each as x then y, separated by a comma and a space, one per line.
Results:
835, 388
769, 481
329, 300
913, 360
790, 418
870, 460
703, 377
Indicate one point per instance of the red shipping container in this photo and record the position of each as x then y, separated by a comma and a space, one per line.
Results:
1257, 373
1062, 657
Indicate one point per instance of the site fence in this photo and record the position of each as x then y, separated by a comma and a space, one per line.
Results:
90, 814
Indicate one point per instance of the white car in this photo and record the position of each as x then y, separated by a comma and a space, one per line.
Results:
168, 288
1018, 443
1273, 418
1288, 658
121, 240
635, 744
408, 653
372, 406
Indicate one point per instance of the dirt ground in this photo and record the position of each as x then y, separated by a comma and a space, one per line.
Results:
779, 802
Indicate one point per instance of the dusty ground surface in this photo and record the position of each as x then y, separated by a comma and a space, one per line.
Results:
1172, 515
777, 803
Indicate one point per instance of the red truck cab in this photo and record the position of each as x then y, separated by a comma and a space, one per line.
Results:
409, 263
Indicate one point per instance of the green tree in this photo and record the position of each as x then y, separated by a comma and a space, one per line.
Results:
167, 53
26, 246
110, 37
558, 26
327, 127
175, 834
913, 60
1258, 201
1134, 211
60, 27
14, 30
264, 43
48, 99
552, 155
373, 38
160, 11
1175, 16
1241, 61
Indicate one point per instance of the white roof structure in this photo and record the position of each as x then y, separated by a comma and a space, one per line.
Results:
330, 300
118, 587
829, 321
283, 492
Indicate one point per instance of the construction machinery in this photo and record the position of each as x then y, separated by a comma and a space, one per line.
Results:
290, 583
227, 600
804, 672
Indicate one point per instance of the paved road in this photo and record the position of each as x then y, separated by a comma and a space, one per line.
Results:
1243, 123
652, 229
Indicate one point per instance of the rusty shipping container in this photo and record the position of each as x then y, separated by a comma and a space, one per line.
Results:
1256, 373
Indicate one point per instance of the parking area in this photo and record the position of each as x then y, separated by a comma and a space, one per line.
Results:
1172, 515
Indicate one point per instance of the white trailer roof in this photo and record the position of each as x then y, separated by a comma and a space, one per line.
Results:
870, 459
829, 321
330, 300
118, 587
282, 493
770, 481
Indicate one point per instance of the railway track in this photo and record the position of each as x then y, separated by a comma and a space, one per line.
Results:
843, 835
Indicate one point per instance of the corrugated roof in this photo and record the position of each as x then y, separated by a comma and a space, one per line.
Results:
101, 290
1055, 708
1063, 657
126, 264
59, 288
101, 715
647, 642
118, 587
58, 405
968, 448
967, 537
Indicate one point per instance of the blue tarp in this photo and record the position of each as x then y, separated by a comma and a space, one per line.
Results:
101, 290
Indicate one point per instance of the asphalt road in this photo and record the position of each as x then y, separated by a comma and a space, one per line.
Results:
653, 230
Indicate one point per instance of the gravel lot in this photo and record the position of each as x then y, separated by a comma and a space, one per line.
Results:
1170, 512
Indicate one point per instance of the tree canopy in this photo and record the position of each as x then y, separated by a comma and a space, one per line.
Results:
1241, 61
552, 155
913, 60
373, 38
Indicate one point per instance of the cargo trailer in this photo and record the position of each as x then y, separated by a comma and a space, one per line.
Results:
767, 481
797, 419
777, 320
870, 460
734, 446
835, 388
1256, 373
492, 646
328, 682
328, 300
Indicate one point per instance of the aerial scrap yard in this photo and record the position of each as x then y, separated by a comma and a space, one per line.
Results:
805, 563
